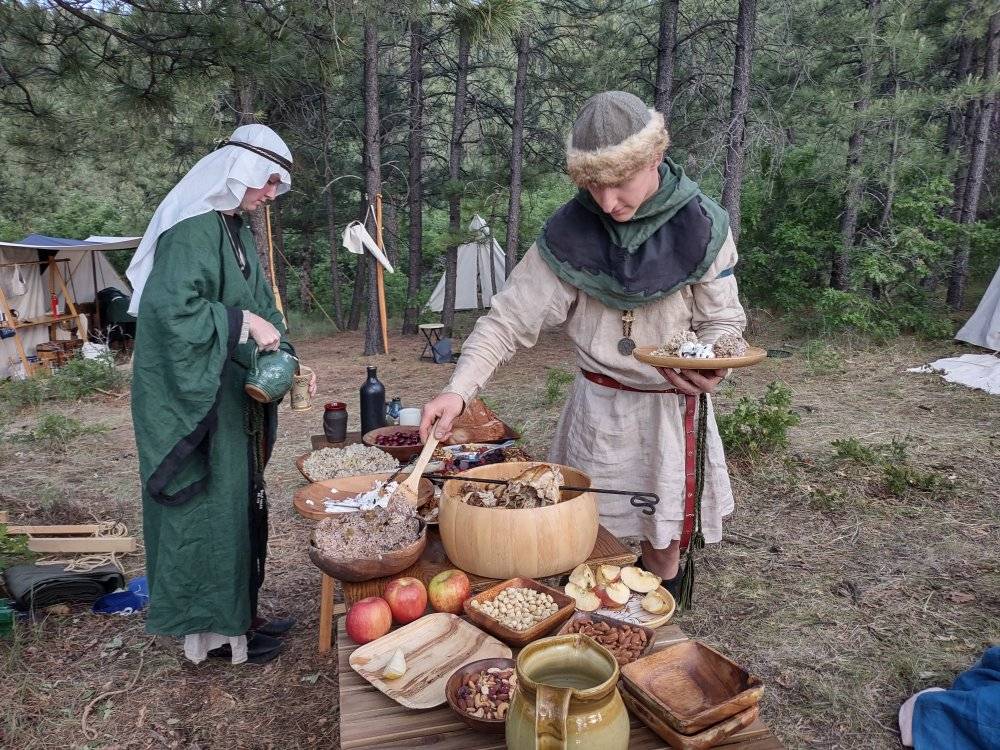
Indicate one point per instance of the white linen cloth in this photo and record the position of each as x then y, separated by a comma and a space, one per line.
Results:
217, 182
622, 440
980, 371
197, 646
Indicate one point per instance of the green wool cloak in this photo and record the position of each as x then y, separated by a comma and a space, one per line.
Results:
204, 513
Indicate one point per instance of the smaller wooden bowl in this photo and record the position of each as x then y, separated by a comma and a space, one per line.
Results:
519, 638
611, 621
365, 569
493, 726
401, 453
645, 354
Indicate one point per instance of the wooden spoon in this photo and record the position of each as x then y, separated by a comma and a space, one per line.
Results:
408, 489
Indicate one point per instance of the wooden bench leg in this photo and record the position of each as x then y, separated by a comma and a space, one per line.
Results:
326, 614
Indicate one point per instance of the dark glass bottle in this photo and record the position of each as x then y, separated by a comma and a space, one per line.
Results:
372, 403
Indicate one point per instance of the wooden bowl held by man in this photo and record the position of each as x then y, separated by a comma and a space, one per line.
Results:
506, 542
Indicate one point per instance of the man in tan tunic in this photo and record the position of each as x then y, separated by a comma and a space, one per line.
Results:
640, 253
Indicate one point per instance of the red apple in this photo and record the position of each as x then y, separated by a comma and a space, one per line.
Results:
407, 599
368, 619
448, 589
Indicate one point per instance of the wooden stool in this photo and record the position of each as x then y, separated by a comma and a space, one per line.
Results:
432, 333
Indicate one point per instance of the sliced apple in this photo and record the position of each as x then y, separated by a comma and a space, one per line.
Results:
639, 580
607, 574
588, 601
618, 592
574, 590
655, 603
583, 576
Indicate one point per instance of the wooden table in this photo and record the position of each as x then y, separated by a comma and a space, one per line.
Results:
607, 549
369, 719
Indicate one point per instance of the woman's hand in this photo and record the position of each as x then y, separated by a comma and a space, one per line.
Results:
266, 335
693, 382
440, 413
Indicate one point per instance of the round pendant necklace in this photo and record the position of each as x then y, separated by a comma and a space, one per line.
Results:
625, 344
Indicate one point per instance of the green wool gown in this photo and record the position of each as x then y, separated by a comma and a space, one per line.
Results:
202, 441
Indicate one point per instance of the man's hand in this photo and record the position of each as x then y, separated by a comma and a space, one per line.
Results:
266, 335
693, 382
440, 413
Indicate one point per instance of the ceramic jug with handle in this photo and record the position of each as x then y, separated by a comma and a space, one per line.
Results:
270, 375
567, 698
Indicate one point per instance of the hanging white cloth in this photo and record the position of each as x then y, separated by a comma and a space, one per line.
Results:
356, 240
14, 285
217, 182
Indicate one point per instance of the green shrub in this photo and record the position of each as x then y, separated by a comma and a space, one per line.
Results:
890, 459
76, 379
757, 426
556, 384
13, 548
57, 431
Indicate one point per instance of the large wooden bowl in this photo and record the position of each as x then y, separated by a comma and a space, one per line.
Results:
529, 542
365, 569
401, 453
308, 500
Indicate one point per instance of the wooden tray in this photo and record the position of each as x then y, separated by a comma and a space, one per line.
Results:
645, 354
434, 647
594, 617
519, 638
634, 614
692, 686
707, 738
346, 487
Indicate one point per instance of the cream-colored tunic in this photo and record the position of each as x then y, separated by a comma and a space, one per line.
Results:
623, 440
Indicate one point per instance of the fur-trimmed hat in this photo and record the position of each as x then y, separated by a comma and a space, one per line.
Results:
614, 136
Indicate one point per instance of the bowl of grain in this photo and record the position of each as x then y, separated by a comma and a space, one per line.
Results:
368, 544
333, 463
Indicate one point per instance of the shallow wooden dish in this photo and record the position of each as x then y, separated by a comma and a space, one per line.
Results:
702, 740
529, 542
519, 638
347, 487
434, 647
493, 726
645, 354
364, 569
692, 686
402, 453
634, 614
594, 617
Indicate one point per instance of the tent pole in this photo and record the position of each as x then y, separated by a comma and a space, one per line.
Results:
270, 264
97, 303
379, 275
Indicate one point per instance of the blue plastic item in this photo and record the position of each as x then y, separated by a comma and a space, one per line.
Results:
132, 599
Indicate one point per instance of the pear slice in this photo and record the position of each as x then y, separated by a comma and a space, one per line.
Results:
607, 574
583, 576
396, 667
655, 603
639, 580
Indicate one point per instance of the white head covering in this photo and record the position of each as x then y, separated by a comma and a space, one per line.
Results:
216, 183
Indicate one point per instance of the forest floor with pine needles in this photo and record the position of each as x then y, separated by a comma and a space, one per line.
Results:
847, 579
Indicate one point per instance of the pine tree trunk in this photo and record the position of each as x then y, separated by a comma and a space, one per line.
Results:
663, 96
358, 293
280, 266
977, 164
739, 106
373, 180
454, 187
331, 229
305, 280
890, 187
244, 102
968, 126
840, 276
415, 200
390, 232
956, 129
517, 151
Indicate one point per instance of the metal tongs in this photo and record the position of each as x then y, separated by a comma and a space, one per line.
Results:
646, 501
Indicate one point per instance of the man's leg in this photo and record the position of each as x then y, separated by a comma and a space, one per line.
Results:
664, 562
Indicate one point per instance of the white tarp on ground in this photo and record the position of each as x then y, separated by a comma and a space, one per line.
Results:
474, 261
983, 328
980, 371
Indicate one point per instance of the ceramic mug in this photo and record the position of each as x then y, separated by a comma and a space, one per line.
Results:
410, 416
271, 374
300, 389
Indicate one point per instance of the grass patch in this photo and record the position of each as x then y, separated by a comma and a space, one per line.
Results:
820, 358
13, 548
889, 460
57, 431
77, 379
556, 383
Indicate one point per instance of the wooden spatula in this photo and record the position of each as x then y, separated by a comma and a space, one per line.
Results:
408, 490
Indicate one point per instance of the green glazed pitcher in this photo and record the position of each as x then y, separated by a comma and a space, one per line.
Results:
567, 698
270, 375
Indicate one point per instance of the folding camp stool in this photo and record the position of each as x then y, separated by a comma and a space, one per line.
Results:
432, 333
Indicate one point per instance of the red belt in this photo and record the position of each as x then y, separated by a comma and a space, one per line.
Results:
690, 407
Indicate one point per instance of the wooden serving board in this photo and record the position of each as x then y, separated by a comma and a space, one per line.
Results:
434, 647
634, 614
752, 357
308, 500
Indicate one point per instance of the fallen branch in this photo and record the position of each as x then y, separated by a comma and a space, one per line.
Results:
91, 734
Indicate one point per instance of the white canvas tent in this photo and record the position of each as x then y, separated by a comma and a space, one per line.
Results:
983, 328
86, 271
475, 281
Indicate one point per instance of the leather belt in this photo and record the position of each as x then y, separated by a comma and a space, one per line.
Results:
690, 460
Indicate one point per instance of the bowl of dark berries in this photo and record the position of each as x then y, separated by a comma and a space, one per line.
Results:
402, 442
480, 693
